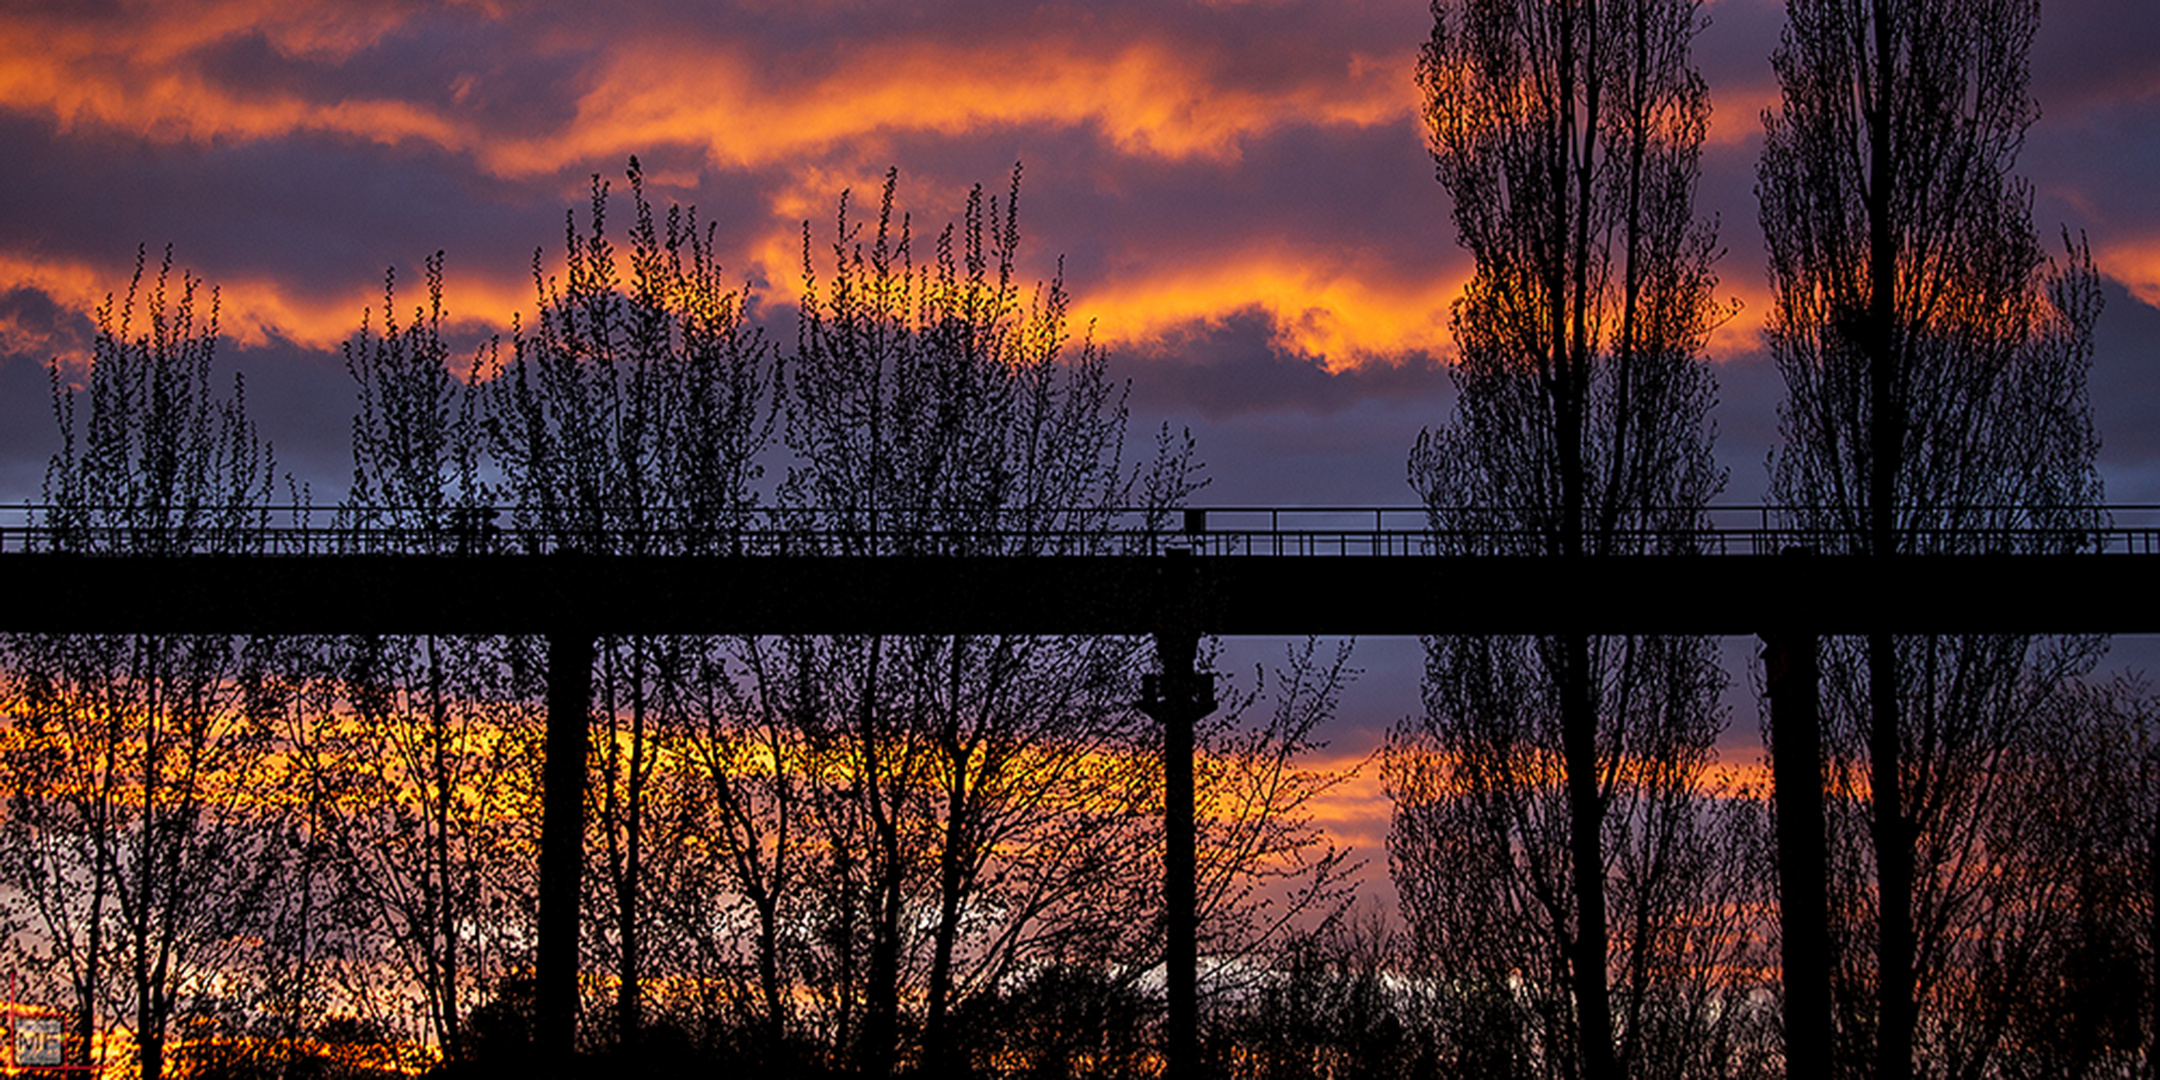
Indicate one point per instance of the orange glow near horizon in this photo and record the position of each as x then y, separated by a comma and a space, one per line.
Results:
1338, 318
1736, 112
255, 312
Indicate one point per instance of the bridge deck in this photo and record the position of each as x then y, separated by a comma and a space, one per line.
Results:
530, 594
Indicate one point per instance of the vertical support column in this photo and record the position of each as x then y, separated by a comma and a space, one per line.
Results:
1178, 698
562, 846
1796, 766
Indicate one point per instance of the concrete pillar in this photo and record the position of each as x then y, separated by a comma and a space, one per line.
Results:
562, 847
1178, 698
1796, 766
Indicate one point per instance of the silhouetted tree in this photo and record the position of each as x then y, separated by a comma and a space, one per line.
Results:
1332, 1003
1551, 826
314, 856
1064, 1022
1266, 874
411, 751
417, 439
973, 791
2051, 971
733, 792
985, 804
629, 421
132, 762
1935, 372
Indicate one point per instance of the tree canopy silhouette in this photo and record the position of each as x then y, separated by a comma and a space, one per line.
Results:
1935, 365
1547, 827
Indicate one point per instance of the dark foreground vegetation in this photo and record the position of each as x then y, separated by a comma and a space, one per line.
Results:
941, 856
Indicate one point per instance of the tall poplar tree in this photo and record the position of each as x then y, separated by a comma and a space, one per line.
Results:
1935, 403
1548, 799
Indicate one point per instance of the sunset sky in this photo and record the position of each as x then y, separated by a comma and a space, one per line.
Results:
1239, 190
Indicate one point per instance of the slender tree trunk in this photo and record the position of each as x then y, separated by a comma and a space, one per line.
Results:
149, 1026
86, 992
1893, 845
629, 1001
952, 878
937, 1037
104, 881
1586, 855
769, 970
765, 897
445, 930
882, 993
149, 1044
881, 1021
1568, 301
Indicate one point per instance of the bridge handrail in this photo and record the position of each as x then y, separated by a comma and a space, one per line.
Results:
1232, 530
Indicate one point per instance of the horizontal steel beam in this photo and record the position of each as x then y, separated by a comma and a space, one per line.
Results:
1077, 595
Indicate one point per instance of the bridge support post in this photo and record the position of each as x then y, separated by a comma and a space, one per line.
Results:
1796, 767
1178, 698
562, 848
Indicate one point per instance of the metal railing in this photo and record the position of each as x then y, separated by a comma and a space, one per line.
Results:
1271, 531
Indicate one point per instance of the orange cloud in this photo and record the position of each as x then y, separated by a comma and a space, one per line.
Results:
2135, 262
144, 71
1337, 312
1146, 99
1736, 112
141, 74
132, 70
1338, 316
1742, 333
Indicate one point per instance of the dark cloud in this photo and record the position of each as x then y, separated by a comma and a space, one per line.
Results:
302, 402
1357, 457
34, 326
1233, 370
2094, 54
28, 434
449, 62
2126, 397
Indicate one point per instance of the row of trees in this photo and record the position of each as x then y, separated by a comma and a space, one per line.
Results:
878, 854
1569, 863
236, 854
